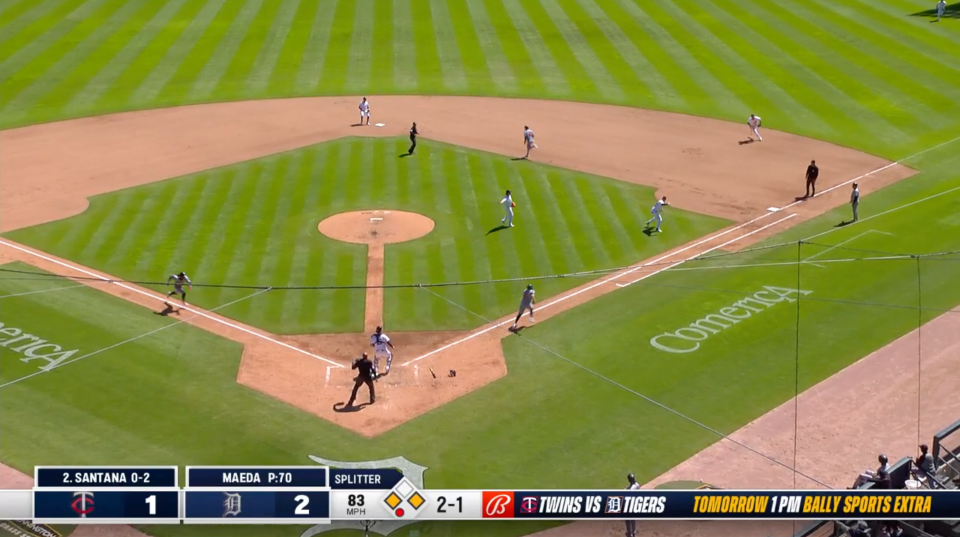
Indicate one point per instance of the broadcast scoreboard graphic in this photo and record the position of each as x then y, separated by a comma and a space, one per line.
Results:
322, 494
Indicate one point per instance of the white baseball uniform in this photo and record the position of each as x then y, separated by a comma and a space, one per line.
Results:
941, 6
507, 203
754, 123
655, 213
178, 283
381, 350
364, 110
526, 303
528, 137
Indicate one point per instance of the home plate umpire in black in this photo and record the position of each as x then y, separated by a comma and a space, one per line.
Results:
364, 368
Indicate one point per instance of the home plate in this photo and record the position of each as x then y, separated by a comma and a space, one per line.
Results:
773, 209
379, 124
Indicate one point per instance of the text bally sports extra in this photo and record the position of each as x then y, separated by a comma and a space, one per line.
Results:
326, 495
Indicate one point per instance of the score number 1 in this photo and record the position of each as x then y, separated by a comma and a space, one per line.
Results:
444, 504
152, 502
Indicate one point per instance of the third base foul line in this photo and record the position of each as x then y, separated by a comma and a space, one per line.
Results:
161, 299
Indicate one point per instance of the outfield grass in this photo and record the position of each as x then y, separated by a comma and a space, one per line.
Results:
566, 222
861, 73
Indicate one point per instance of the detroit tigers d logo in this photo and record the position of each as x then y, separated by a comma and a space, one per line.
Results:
411, 470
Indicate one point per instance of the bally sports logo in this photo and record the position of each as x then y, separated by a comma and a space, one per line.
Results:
497, 504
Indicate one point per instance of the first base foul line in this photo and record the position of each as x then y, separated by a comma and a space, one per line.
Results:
618, 276
161, 299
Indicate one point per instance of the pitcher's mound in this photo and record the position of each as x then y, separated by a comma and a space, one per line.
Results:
376, 227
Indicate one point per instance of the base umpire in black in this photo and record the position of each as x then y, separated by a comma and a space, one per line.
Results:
364, 368
812, 173
413, 138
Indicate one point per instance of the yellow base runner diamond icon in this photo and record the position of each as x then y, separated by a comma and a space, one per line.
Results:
416, 500
393, 500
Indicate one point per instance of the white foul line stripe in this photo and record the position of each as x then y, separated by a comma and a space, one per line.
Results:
611, 279
146, 294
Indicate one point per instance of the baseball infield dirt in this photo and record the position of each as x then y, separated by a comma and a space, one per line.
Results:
50, 170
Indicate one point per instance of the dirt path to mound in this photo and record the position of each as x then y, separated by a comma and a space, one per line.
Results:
50, 170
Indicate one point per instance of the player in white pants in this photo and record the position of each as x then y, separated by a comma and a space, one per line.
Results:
754, 123
528, 140
941, 6
508, 206
526, 304
382, 348
656, 211
364, 110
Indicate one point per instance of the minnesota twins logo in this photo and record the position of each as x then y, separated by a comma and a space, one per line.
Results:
529, 504
82, 503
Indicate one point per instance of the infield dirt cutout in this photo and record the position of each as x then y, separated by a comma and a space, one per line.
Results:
50, 170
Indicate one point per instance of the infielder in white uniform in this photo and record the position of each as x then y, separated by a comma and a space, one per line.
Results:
754, 123
941, 6
508, 206
364, 110
178, 281
655, 212
526, 304
382, 348
528, 140
855, 202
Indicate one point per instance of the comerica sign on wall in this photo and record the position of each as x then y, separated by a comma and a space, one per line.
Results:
688, 338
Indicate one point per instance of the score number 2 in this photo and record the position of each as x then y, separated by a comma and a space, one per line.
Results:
457, 504
302, 502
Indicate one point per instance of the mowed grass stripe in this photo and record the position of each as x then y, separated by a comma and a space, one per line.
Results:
328, 164
40, 34
835, 85
507, 37
475, 65
162, 243
404, 47
546, 32
235, 66
130, 245
225, 61
641, 78
382, 54
599, 59
73, 69
916, 32
761, 82
911, 92
498, 66
196, 246
556, 235
159, 73
313, 60
879, 37
448, 47
535, 258
13, 9
361, 47
259, 262
301, 236
338, 50
555, 82
113, 67
40, 54
429, 70
273, 46
694, 72
282, 79
15, 19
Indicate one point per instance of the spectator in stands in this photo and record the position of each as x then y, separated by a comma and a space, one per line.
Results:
860, 529
880, 476
891, 529
925, 460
